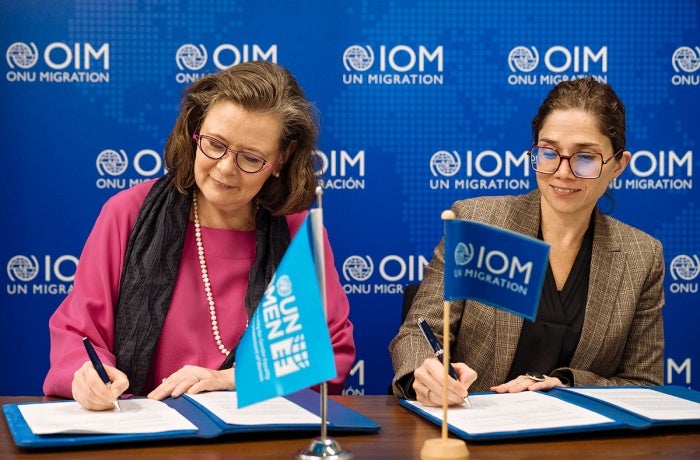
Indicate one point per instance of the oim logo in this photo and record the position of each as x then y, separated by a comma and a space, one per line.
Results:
358, 268
22, 268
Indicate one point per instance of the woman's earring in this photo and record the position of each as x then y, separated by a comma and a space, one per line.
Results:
276, 174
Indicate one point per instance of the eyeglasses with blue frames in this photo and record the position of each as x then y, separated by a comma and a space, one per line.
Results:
584, 165
215, 149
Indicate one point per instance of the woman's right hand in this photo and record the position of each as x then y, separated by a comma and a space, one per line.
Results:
92, 393
428, 380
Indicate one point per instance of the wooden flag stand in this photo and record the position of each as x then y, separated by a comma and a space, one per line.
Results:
445, 448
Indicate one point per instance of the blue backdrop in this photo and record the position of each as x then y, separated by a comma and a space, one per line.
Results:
421, 103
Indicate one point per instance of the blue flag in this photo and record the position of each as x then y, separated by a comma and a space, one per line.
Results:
498, 267
287, 346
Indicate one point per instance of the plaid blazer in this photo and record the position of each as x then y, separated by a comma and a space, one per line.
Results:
622, 341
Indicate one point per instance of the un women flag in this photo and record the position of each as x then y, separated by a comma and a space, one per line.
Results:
287, 346
498, 267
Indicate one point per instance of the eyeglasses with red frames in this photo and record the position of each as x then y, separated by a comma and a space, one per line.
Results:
584, 165
215, 149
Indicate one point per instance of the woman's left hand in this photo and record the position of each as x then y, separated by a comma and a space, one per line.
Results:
192, 380
525, 383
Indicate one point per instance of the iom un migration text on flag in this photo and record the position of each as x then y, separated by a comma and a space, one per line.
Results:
287, 346
498, 267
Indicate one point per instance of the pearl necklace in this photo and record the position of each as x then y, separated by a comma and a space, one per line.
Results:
205, 278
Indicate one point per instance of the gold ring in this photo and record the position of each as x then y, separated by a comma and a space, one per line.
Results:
427, 394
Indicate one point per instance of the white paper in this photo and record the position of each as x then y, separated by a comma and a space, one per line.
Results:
136, 416
508, 412
652, 404
274, 411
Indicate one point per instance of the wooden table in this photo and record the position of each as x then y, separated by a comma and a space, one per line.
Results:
401, 438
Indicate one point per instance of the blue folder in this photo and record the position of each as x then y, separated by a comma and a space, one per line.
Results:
340, 420
622, 419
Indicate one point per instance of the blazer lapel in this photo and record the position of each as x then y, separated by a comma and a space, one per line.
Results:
605, 277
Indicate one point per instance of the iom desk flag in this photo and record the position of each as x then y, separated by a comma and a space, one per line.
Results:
287, 346
498, 267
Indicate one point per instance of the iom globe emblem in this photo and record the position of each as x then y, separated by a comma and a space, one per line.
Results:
686, 59
191, 57
444, 163
685, 267
358, 58
22, 55
523, 59
464, 253
22, 268
112, 162
358, 268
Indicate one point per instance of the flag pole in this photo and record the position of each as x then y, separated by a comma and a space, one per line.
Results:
322, 446
445, 448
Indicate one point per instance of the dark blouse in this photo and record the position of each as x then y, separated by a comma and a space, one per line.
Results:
549, 343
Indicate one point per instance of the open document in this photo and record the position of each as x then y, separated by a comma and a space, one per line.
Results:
203, 416
513, 412
647, 403
566, 410
136, 416
150, 416
270, 412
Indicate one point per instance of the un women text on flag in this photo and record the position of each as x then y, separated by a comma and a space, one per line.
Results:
287, 345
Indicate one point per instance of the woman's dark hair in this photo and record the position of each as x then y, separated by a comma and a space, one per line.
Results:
593, 97
256, 86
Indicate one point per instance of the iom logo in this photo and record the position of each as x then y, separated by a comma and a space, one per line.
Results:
358, 268
22, 268
57, 274
393, 272
686, 59
22, 55
399, 64
684, 269
482, 170
686, 62
561, 63
112, 162
445, 163
464, 253
358, 58
523, 59
191, 57
58, 62
493, 266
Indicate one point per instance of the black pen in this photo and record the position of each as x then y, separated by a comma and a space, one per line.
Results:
97, 364
437, 349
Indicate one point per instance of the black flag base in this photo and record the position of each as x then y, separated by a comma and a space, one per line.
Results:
325, 448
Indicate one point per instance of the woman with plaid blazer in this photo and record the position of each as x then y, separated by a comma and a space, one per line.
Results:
599, 320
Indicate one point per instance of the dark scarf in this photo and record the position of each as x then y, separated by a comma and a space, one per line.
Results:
150, 269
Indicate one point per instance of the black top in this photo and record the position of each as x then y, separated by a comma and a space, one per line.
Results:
549, 343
